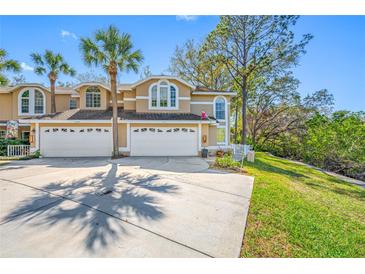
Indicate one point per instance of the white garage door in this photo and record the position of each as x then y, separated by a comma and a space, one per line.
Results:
76, 141
164, 141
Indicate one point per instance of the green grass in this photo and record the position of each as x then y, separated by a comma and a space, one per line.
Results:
297, 211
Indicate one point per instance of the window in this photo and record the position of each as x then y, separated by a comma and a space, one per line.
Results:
93, 97
25, 102
221, 135
73, 104
172, 96
154, 96
38, 102
220, 108
25, 135
31, 101
163, 95
2, 133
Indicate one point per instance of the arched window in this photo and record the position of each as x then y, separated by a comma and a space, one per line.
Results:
163, 95
93, 97
31, 101
220, 108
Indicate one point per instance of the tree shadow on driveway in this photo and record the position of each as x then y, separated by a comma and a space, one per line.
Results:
98, 205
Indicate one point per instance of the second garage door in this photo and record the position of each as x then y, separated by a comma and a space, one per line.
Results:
164, 141
76, 141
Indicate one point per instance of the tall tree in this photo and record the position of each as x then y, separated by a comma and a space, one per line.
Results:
146, 72
194, 64
91, 76
248, 45
269, 104
113, 51
52, 64
18, 79
7, 65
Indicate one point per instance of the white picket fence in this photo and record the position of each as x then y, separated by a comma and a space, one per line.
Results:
18, 150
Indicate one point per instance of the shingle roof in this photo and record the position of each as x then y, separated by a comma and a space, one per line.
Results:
84, 114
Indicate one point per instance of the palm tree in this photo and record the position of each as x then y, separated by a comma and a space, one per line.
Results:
52, 64
112, 51
7, 65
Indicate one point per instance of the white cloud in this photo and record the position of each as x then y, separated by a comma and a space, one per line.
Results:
26, 67
66, 33
187, 18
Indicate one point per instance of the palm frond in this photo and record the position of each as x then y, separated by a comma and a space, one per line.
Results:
37, 59
40, 70
11, 65
3, 80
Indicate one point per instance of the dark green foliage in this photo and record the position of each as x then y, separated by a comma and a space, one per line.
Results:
335, 143
5, 142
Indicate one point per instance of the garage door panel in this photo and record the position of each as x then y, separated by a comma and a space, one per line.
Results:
76, 141
166, 141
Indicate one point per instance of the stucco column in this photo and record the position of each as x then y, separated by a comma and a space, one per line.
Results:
200, 137
129, 136
37, 136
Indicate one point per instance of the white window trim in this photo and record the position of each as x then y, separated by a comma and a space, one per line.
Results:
158, 96
225, 108
31, 102
93, 99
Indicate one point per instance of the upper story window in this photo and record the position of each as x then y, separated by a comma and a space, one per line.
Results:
73, 103
163, 95
31, 102
220, 108
93, 97
38, 102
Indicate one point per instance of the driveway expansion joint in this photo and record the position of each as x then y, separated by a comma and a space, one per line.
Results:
103, 212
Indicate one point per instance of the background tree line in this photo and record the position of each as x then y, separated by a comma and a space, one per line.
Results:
255, 56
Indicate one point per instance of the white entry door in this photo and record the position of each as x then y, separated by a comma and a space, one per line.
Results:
164, 141
75, 141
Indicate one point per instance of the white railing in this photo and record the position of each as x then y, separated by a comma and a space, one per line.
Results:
240, 151
18, 150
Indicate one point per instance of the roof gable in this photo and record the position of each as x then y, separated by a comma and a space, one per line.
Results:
158, 77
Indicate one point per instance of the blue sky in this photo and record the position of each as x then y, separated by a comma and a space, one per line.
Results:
335, 58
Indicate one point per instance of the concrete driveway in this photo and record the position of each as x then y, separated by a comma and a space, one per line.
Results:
130, 207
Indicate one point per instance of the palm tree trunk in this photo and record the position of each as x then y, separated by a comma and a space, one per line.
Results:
113, 83
53, 96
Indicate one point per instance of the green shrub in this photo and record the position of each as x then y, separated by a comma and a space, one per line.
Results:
5, 142
226, 162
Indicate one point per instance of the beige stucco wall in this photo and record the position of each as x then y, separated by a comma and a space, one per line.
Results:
212, 136
122, 135
197, 109
143, 90
6, 112
205, 135
62, 102
104, 98
15, 94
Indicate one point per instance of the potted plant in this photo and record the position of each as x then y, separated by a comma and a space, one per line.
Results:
220, 152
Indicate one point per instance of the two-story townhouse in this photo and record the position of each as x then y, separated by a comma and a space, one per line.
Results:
157, 116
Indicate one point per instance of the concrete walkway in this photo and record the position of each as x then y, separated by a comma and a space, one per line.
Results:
130, 207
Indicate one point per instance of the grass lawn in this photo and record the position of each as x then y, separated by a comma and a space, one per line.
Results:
297, 211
